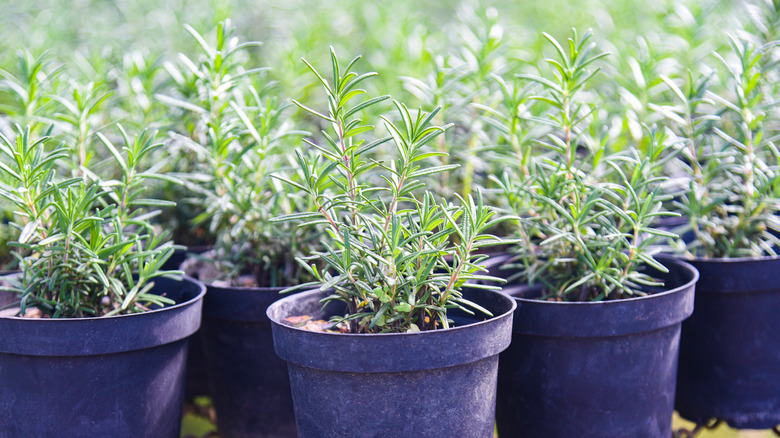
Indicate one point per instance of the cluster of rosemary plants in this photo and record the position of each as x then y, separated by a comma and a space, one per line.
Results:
395, 254
729, 167
460, 82
586, 211
235, 133
574, 153
87, 246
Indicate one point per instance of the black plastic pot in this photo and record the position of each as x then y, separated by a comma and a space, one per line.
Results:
594, 369
119, 376
433, 383
248, 382
730, 347
197, 383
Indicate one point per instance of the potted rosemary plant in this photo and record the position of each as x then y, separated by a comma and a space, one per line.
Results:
391, 286
597, 325
240, 139
94, 334
729, 351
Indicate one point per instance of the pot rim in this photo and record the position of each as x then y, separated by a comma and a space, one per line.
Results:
682, 263
724, 259
240, 303
249, 288
742, 275
628, 316
194, 281
357, 352
308, 293
93, 336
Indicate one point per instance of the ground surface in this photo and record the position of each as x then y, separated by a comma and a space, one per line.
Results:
196, 424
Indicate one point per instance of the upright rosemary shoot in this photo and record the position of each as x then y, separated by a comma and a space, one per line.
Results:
395, 255
586, 212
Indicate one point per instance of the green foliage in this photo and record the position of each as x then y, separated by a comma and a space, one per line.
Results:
28, 89
231, 129
731, 159
460, 82
235, 135
91, 249
80, 112
389, 253
7, 235
585, 212
203, 131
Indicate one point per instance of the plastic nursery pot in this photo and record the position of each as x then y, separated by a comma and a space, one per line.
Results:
586, 369
730, 348
432, 383
196, 383
120, 376
248, 382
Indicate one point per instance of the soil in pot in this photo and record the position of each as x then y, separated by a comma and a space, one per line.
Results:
119, 376
433, 383
730, 348
603, 369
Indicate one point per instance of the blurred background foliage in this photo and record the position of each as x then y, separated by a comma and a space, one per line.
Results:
399, 38
431, 52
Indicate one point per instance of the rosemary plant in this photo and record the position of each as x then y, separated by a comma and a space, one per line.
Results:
140, 78
459, 83
28, 92
200, 102
80, 113
586, 211
389, 251
731, 159
239, 132
91, 250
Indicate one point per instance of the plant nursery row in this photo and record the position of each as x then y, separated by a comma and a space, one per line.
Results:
465, 227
